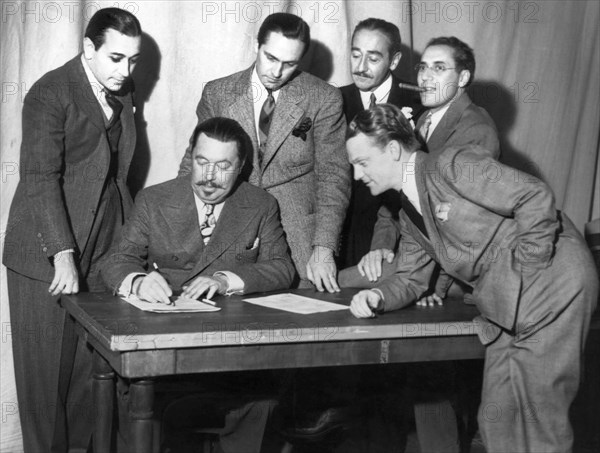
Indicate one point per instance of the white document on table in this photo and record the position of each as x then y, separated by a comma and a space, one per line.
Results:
181, 305
296, 304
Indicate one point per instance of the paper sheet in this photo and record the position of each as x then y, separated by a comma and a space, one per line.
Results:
296, 304
182, 305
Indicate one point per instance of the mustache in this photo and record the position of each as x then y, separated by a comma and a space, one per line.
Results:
362, 74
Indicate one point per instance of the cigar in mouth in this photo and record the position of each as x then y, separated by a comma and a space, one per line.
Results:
408, 86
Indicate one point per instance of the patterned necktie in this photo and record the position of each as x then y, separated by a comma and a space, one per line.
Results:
373, 101
115, 105
264, 120
208, 225
424, 129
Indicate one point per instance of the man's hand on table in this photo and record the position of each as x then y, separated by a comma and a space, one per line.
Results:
321, 269
370, 265
365, 303
66, 276
152, 288
430, 301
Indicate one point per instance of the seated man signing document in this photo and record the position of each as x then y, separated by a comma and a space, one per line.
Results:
205, 233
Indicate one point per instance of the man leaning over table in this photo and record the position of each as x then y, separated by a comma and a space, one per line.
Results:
208, 233
533, 277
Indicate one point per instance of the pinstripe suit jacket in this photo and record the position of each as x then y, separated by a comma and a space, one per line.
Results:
65, 157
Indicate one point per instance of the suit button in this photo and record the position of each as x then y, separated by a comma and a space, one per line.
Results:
45, 249
174, 257
39, 235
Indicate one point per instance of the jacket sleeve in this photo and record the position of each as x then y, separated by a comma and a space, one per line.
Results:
510, 193
130, 253
414, 269
41, 169
332, 171
386, 231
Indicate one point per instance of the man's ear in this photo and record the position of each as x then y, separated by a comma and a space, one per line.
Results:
395, 60
395, 149
88, 48
463, 78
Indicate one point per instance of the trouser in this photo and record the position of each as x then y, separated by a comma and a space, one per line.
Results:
532, 377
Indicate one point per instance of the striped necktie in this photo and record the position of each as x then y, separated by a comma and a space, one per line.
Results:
424, 129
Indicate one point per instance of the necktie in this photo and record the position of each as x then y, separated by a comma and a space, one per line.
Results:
115, 105
264, 120
373, 101
424, 129
208, 225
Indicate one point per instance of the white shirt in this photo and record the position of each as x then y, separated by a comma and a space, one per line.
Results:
409, 183
436, 118
259, 96
98, 89
382, 92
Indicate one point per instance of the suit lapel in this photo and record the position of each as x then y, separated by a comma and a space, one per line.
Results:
242, 110
85, 97
287, 114
234, 218
448, 123
435, 241
355, 104
181, 215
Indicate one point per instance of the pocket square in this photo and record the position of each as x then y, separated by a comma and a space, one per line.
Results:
302, 128
442, 210
255, 244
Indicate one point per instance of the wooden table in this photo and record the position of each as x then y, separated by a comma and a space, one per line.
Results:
141, 345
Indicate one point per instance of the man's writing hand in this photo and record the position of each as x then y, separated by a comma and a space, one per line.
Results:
66, 277
370, 264
321, 269
154, 288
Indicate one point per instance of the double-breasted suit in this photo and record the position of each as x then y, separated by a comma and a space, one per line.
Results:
247, 240
304, 165
533, 278
362, 212
72, 194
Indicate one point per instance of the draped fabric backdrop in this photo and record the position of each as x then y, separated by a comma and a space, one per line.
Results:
538, 66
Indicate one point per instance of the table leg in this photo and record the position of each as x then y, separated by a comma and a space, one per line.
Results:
103, 391
141, 410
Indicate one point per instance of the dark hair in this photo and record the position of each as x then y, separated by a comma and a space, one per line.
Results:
224, 130
464, 58
384, 123
118, 19
389, 30
289, 25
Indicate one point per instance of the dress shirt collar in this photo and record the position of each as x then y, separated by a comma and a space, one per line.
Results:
436, 117
97, 88
409, 185
382, 93
200, 208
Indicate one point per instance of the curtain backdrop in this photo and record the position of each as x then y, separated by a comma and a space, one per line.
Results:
538, 66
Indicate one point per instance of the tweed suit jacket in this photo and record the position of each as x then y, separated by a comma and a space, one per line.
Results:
64, 162
487, 225
164, 229
464, 123
308, 173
